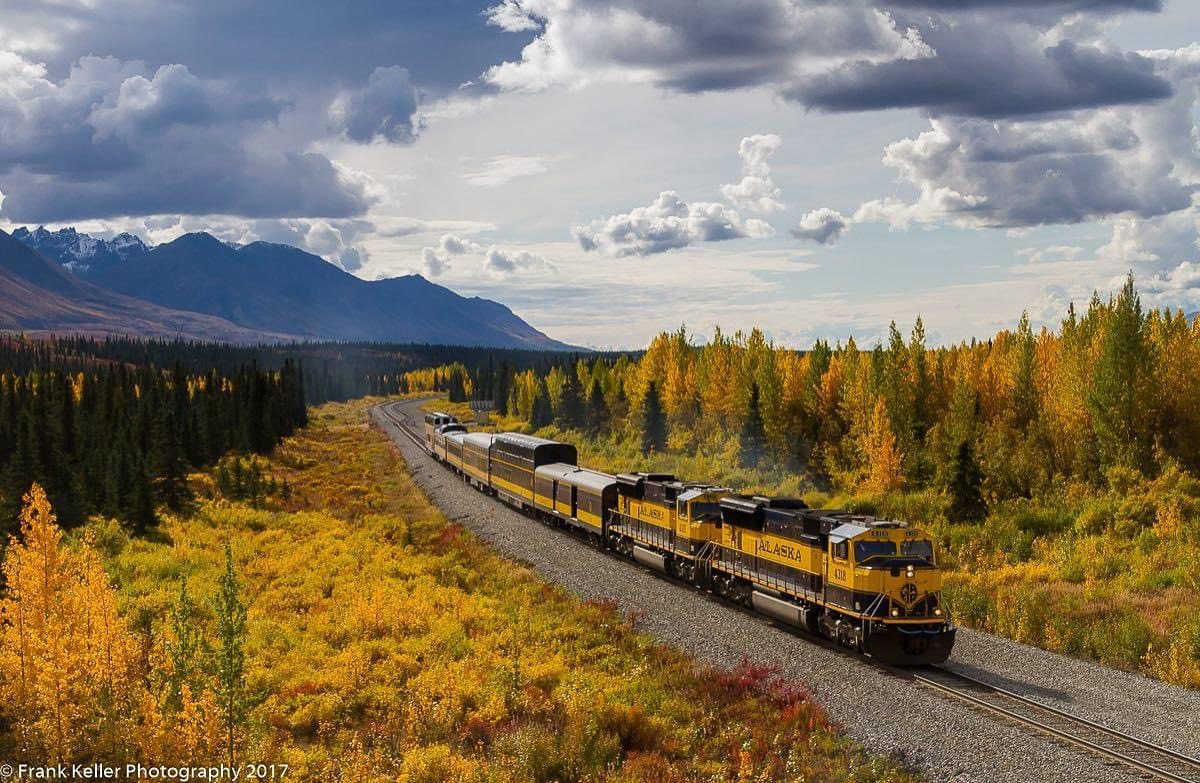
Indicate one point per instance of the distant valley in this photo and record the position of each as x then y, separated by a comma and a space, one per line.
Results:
198, 286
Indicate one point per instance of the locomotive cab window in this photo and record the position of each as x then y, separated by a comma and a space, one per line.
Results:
921, 549
841, 550
866, 550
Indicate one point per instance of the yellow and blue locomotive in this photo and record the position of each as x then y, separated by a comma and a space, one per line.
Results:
870, 584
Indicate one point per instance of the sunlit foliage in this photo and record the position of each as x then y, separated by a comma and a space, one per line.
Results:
384, 643
1035, 457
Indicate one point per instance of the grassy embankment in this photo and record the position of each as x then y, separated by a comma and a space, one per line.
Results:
1108, 574
385, 643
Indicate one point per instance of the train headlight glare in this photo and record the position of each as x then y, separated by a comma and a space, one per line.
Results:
937, 612
895, 613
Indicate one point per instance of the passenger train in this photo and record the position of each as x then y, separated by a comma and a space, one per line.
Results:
872, 585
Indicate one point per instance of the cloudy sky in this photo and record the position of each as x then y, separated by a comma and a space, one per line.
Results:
612, 168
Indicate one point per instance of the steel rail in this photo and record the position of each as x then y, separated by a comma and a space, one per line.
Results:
1163, 763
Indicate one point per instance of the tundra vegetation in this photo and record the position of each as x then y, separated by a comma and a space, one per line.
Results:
1057, 468
344, 627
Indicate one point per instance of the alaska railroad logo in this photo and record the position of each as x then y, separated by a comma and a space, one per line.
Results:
908, 593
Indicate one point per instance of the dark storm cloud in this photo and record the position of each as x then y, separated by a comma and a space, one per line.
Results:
984, 58
383, 109
692, 45
313, 44
215, 107
115, 138
985, 71
1060, 6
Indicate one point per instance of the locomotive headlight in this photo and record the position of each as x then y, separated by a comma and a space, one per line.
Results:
937, 612
895, 613
910, 572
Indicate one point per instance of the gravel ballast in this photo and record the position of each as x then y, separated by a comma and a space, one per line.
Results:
942, 738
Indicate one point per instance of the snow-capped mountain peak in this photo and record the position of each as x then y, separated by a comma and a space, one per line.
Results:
78, 252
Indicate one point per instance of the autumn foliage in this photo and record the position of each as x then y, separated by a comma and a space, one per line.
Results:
378, 643
1043, 460
69, 665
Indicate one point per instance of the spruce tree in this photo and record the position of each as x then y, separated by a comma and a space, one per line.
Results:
540, 414
18, 478
502, 390
229, 664
597, 408
167, 460
966, 486
654, 421
753, 437
570, 406
141, 514
183, 650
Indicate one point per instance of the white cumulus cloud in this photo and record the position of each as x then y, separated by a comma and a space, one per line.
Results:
667, 223
497, 261
824, 226
756, 191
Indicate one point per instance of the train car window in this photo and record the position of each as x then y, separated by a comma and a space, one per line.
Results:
866, 550
706, 511
921, 549
841, 550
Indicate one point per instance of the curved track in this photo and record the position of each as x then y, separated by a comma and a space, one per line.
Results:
1145, 758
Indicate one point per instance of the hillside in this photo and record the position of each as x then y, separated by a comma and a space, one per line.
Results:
279, 288
38, 295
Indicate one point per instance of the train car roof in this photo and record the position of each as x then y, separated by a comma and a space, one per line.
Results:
525, 441
555, 470
458, 436
846, 531
480, 438
577, 476
696, 491
451, 426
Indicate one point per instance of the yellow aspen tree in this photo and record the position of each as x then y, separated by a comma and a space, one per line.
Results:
68, 684
717, 378
679, 383
38, 675
884, 459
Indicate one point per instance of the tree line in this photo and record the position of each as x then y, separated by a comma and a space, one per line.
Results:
1110, 393
120, 440
331, 371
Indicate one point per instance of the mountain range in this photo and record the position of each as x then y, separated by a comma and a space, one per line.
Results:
199, 286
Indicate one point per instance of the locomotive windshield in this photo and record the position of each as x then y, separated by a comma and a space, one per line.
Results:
921, 549
705, 510
865, 550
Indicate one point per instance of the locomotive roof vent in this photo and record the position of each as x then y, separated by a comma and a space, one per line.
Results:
789, 504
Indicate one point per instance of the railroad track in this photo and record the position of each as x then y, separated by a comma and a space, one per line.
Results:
1146, 758
1143, 757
